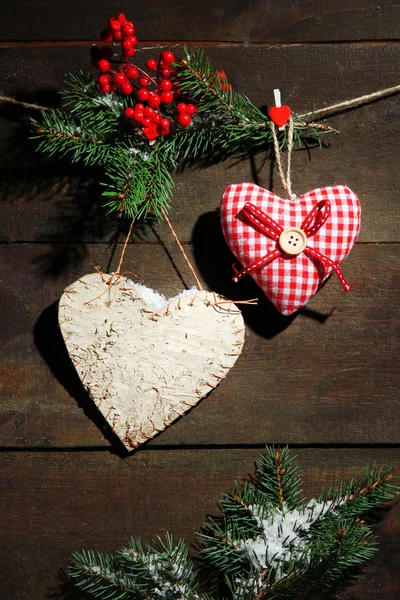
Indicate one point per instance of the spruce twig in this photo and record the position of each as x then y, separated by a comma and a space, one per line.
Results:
269, 543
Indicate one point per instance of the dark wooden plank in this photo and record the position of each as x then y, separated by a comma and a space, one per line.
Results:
54, 504
330, 375
233, 20
52, 200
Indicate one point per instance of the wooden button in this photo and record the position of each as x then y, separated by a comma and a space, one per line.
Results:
292, 241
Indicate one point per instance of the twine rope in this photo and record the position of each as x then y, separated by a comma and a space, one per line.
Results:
315, 114
118, 271
189, 264
286, 180
334, 108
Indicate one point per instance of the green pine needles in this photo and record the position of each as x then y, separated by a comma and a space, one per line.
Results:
92, 128
269, 542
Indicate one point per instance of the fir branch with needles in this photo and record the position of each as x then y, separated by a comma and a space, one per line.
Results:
93, 128
269, 543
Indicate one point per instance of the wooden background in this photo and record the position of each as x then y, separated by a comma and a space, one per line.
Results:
325, 381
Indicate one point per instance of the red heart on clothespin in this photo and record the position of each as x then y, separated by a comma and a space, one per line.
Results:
280, 115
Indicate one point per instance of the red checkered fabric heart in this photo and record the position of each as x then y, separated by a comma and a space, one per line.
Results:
290, 281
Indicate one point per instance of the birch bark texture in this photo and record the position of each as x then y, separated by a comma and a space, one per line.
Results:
145, 360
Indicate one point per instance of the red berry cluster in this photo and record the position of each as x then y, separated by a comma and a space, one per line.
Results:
151, 121
184, 112
151, 90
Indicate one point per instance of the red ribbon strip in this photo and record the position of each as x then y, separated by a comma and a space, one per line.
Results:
311, 224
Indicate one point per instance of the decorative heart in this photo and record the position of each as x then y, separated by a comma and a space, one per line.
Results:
290, 281
145, 360
280, 115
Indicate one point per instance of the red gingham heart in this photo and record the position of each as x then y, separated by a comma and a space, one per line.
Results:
290, 281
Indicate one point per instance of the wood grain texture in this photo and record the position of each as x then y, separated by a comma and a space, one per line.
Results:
230, 20
56, 503
48, 199
329, 375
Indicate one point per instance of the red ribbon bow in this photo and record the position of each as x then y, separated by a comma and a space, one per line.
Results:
311, 224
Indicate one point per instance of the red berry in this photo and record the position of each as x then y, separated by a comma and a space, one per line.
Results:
166, 72
166, 97
117, 36
113, 24
165, 85
144, 81
154, 99
134, 39
167, 56
191, 109
128, 29
104, 65
221, 75
120, 78
132, 73
151, 135
165, 131
129, 52
181, 107
156, 118
184, 119
122, 19
106, 36
151, 64
104, 80
146, 122
148, 111
138, 116
143, 94
139, 107
127, 44
106, 88
129, 112
126, 88
165, 123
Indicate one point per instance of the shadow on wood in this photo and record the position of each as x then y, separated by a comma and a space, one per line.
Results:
214, 261
50, 344
67, 590
56, 202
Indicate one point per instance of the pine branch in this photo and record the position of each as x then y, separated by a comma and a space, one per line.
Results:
139, 572
279, 479
61, 133
361, 494
101, 576
268, 544
140, 182
84, 99
280, 544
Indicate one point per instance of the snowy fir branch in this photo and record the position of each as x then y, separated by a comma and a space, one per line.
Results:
139, 571
139, 134
268, 543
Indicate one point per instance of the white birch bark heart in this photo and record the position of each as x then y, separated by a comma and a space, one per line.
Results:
144, 364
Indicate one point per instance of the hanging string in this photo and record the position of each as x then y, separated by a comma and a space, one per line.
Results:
286, 180
118, 271
189, 264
